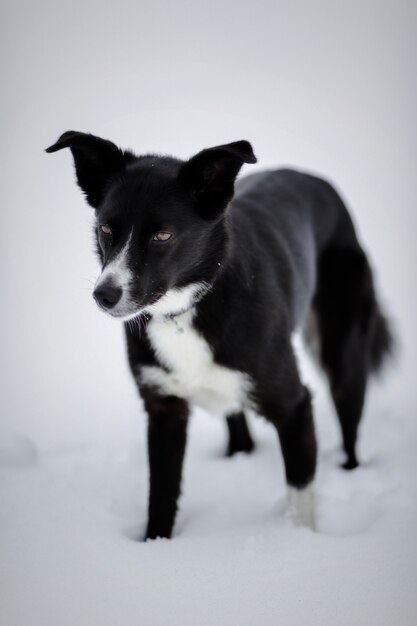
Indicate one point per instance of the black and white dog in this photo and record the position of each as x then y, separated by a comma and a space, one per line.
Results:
212, 278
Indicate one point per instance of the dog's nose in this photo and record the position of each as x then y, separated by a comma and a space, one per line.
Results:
107, 295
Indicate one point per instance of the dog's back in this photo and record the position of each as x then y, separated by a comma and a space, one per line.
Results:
324, 256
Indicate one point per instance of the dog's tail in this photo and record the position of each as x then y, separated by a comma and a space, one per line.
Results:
378, 337
381, 340
354, 332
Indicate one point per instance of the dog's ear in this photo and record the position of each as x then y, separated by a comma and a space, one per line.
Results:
210, 175
95, 159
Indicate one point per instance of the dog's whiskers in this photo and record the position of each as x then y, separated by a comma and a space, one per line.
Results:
92, 282
137, 323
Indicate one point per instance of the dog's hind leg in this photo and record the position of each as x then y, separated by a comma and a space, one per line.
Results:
240, 439
346, 370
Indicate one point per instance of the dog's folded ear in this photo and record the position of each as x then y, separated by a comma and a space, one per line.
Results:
210, 175
96, 161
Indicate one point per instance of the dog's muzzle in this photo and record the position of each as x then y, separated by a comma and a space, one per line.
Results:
107, 295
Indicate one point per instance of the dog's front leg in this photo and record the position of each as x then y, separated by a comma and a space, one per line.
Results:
167, 434
287, 404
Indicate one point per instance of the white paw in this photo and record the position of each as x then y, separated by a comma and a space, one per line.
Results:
301, 506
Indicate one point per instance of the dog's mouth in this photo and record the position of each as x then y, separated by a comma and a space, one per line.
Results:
128, 311
164, 303
168, 303
127, 317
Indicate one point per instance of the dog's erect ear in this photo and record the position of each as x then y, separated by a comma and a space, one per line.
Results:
210, 175
96, 160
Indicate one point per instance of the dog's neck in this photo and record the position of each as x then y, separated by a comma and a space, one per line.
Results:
178, 301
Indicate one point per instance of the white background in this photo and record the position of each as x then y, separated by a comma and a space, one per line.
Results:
326, 86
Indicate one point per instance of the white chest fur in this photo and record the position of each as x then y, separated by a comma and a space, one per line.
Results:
192, 372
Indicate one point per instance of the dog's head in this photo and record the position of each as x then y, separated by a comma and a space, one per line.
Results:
160, 222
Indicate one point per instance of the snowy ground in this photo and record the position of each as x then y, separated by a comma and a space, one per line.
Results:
71, 516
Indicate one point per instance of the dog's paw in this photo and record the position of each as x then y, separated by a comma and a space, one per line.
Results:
350, 464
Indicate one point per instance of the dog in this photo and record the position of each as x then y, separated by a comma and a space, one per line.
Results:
212, 276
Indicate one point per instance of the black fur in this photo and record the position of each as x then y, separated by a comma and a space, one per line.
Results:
271, 247
240, 439
167, 433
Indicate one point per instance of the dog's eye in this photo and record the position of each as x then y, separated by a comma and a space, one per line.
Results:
162, 236
106, 230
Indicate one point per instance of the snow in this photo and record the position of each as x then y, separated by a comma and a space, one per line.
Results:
174, 78
72, 520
